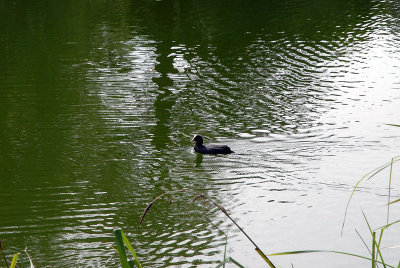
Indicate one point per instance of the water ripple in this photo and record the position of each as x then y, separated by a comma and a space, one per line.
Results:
301, 99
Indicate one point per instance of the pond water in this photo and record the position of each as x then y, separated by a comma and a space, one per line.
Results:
99, 99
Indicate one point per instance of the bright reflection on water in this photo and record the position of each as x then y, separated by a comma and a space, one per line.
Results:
99, 100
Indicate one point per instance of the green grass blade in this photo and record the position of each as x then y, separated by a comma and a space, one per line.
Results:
374, 241
121, 248
229, 260
365, 244
324, 251
265, 258
373, 250
393, 125
126, 241
354, 190
132, 264
379, 246
236, 263
395, 201
387, 225
222, 263
390, 184
14, 260
367, 176
226, 245
2, 253
366, 220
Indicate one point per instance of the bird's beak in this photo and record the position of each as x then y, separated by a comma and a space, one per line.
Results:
192, 140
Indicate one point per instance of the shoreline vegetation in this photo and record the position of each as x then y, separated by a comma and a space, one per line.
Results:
376, 234
375, 250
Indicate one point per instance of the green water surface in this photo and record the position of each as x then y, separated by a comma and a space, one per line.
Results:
99, 99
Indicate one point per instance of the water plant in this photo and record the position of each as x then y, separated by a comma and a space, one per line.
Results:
376, 250
122, 241
376, 244
13, 262
376, 256
223, 210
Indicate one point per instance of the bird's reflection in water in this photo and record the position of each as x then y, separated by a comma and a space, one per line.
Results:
199, 160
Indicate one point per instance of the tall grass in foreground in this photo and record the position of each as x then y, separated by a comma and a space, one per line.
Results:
223, 210
375, 250
13, 262
122, 241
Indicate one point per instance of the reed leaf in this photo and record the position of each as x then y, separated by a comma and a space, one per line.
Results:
229, 260
14, 260
390, 184
222, 264
365, 244
201, 196
129, 246
379, 247
387, 225
155, 199
2, 253
235, 262
395, 201
121, 248
380, 239
324, 251
367, 176
374, 241
226, 245
373, 250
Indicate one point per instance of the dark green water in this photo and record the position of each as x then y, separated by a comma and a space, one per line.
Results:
99, 99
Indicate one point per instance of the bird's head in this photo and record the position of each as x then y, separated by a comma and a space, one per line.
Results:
198, 139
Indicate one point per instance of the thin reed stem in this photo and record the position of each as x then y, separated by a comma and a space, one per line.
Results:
373, 250
390, 184
2, 253
237, 225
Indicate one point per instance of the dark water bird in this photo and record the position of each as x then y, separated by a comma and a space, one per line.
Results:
209, 149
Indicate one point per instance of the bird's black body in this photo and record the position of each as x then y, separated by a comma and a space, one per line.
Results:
209, 149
